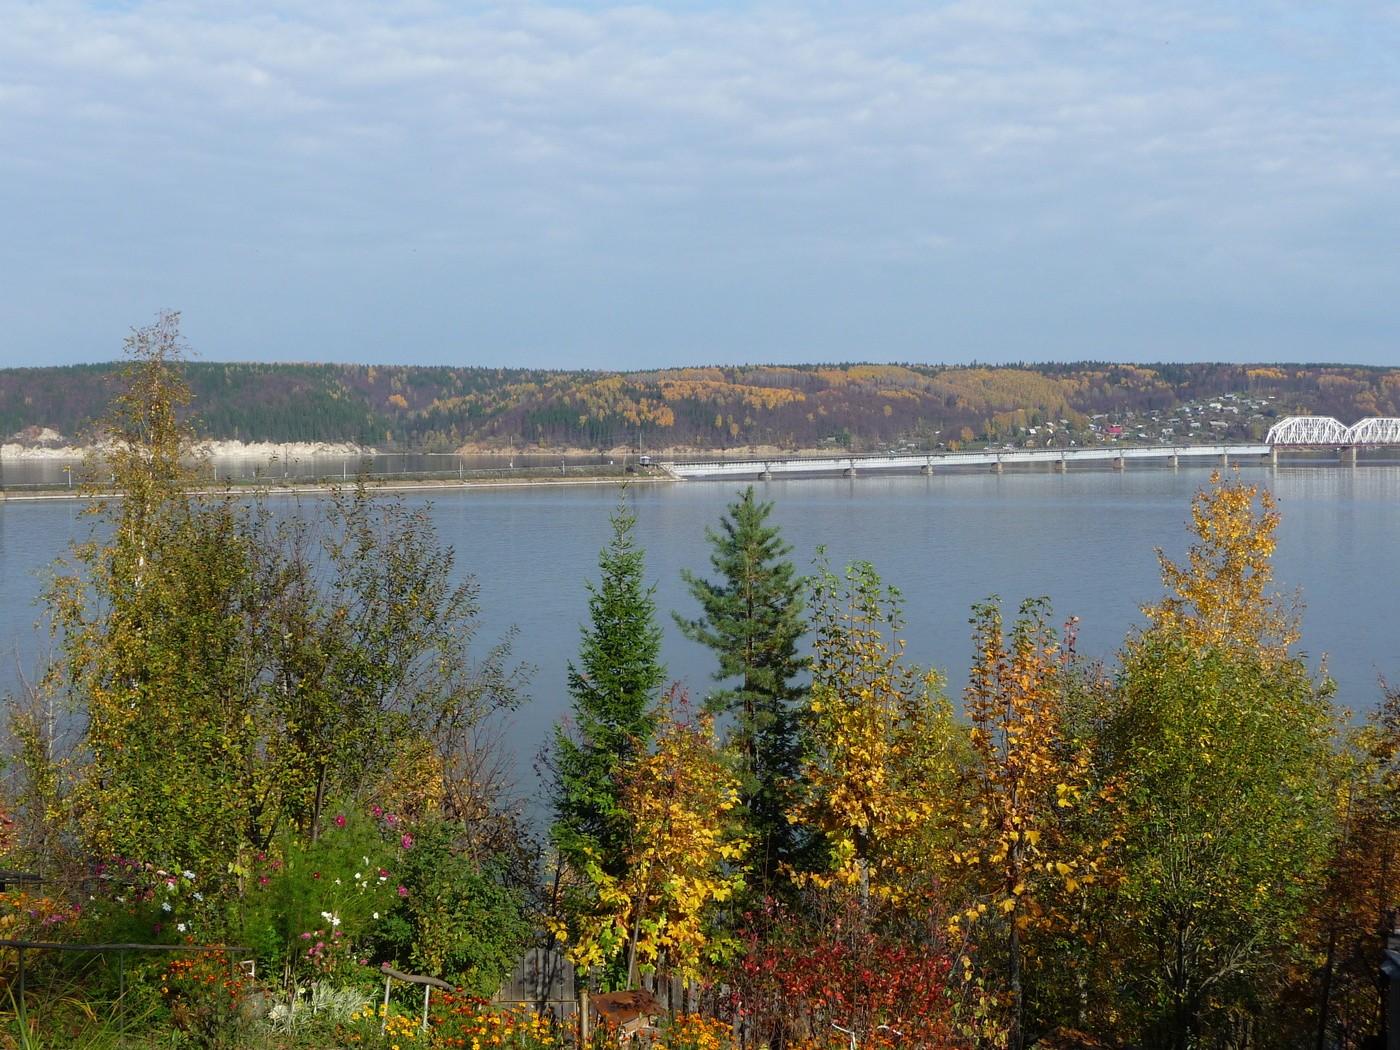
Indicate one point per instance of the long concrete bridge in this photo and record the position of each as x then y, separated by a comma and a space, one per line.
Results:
929, 462
1300, 432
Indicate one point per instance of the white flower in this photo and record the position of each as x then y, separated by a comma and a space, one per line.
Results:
188, 875
180, 926
376, 915
164, 905
337, 882
366, 860
199, 896
357, 876
325, 915
121, 900
335, 920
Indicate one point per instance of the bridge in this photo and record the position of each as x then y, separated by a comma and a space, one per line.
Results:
1301, 432
1326, 432
767, 467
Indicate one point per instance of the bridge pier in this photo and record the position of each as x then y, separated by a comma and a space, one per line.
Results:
927, 468
1061, 467
1119, 463
1174, 461
849, 472
1348, 455
996, 467
765, 475
1224, 460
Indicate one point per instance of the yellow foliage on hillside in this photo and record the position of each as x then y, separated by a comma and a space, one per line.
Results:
711, 391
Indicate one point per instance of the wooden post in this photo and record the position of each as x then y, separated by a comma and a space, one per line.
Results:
384, 1020
23, 1019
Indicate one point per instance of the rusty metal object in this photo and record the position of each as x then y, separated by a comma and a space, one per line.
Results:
631, 1011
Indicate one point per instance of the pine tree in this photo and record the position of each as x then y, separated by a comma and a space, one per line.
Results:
614, 689
753, 621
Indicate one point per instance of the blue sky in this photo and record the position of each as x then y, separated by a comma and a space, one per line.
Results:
627, 186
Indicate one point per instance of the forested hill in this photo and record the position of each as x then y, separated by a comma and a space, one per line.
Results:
854, 406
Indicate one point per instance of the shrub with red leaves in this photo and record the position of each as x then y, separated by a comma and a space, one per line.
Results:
799, 976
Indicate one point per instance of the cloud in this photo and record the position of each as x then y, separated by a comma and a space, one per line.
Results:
628, 185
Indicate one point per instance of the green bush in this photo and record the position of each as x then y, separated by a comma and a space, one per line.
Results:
454, 921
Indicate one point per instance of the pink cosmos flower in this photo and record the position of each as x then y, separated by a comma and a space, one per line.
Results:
340, 822
407, 842
403, 891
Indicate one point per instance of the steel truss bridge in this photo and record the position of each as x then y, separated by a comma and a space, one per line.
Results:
1324, 431
1302, 432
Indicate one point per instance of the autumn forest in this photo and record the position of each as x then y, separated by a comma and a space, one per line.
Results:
855, 406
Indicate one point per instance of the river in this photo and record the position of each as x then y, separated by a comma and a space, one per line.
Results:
1085, 539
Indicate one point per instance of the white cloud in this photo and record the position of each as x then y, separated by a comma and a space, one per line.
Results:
1089, 158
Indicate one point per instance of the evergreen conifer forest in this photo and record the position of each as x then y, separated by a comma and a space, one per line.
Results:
269, 736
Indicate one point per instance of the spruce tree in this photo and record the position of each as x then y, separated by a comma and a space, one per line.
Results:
614, 689
752, 619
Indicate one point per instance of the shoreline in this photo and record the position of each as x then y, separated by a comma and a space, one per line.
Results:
320, 488
267, 450
274, 450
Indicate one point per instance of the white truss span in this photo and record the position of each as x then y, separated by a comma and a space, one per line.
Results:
1375, 431
1307, 430
1324, 430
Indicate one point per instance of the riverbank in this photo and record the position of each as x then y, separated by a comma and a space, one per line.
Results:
49, 445
624, 452
582, 474
259, 450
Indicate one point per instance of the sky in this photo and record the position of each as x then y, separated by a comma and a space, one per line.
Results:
628, 186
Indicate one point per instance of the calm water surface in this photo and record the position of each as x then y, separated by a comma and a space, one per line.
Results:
1084, 539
